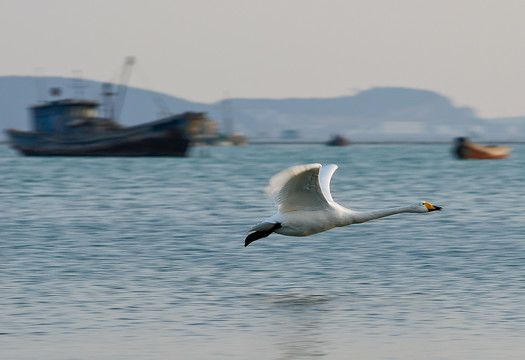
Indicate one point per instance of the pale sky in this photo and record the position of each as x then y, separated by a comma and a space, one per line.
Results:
472, 51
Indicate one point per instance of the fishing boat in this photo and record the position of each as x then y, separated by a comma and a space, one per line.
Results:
74, 127
464, 149
338, 140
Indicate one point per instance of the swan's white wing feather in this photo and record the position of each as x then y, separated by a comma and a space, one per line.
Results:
324, 180
298, 188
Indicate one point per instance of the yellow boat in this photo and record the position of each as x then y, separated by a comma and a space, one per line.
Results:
467, 150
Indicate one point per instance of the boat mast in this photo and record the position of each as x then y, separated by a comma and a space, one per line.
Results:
227, 115
121, 91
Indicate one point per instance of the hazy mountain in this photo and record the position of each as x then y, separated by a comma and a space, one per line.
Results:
379, 114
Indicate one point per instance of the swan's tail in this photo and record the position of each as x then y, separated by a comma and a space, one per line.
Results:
259, 234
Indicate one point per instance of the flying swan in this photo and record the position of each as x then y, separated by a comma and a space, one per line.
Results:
305, 205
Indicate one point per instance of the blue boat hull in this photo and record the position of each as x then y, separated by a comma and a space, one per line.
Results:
166, 137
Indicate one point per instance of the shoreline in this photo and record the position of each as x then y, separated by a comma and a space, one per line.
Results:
378, 143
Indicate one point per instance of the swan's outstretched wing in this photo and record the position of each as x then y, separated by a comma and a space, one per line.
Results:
324, 180
302, 187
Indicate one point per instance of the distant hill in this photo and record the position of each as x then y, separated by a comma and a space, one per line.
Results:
379, 114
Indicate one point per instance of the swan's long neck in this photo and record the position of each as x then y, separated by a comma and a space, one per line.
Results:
357, 217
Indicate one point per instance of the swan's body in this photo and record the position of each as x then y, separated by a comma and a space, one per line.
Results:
305, 205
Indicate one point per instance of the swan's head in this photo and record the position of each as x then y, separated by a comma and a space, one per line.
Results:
424, 207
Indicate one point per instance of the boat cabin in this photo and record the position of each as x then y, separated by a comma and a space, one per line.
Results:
69, 117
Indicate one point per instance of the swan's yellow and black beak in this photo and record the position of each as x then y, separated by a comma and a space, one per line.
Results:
431, 207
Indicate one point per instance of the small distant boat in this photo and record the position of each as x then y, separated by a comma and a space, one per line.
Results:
338, 140
464, 149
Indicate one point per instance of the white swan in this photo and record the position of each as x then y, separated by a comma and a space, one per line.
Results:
305, 205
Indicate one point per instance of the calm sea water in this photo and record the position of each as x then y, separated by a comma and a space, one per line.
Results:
143, 258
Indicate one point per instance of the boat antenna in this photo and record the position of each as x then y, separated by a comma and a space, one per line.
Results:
78, 84
123, 86
107, 96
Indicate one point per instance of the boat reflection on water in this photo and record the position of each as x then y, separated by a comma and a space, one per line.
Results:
464, 149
